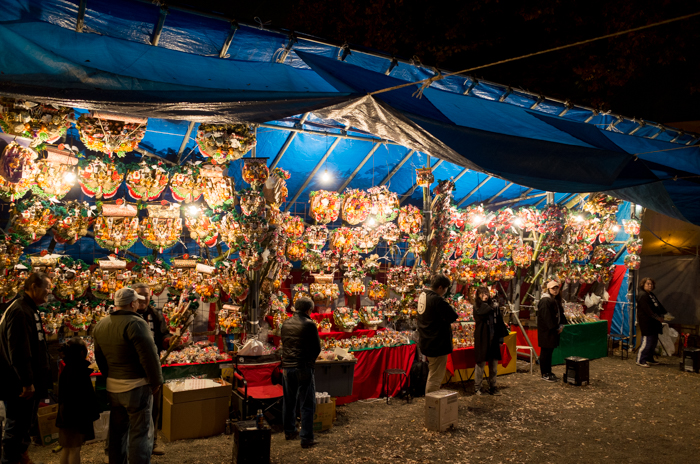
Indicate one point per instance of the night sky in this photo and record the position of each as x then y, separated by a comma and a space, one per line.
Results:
652, 74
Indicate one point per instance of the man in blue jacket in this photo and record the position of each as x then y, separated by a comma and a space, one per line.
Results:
435, 318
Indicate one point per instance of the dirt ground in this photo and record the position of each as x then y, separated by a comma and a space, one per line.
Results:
626, 414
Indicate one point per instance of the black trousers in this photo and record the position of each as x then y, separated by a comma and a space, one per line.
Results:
546, 360
21, 414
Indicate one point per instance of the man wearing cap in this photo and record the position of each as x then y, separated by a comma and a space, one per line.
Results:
550, 323
126, 354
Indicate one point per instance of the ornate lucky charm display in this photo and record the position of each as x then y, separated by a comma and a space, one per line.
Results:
55, 175
187, 184
112, 134
223, 143
424, 177
118, 226
146, 181
17, 171
255, 171
31, 220
99, 178
218, 188
75, 220
203, 226
356, 206
325, 206
41, 123
410, 220
384, 205
162, 228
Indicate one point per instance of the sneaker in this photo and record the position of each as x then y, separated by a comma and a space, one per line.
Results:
291, 436
653, 363
308, 444
158, 450
478, 393
549, 378
554, 377
494, 392
642, 364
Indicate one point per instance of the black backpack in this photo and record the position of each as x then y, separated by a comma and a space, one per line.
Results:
419, 377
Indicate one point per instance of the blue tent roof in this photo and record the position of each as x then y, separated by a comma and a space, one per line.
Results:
513, 143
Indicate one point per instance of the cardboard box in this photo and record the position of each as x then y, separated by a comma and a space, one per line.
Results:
46, 422
196, 413
441, 410
324, 417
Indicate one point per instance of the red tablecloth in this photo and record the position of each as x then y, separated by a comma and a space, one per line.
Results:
336, 335
370, 367
465, 358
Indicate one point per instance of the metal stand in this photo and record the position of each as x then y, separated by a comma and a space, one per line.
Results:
527, 339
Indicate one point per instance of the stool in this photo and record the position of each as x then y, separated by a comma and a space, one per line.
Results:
624, 345
385, 382
528, 348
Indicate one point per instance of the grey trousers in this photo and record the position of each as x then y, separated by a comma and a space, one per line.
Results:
493, 371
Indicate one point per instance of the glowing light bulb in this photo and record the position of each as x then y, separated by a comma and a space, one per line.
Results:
478, 219
69, 177
372, 222
616, 228
326, 176
518, 222
578, 218
194, 210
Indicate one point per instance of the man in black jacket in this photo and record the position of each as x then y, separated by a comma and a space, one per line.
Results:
301, 346
435, 318
161, 336
25, 374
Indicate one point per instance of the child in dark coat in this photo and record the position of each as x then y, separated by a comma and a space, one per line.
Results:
77, 402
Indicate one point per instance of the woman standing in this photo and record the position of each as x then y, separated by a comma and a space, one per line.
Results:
650, 316
488, 332
550, 323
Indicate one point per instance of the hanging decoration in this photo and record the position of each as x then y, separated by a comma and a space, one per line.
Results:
602, 204
296, 250
100, 179
17, 172
365, 239
316, 237
112, 134
353, 283
32, 219
202, 225
631, 226
292, 226
224, 142
118, 227
11, 248
55, 175
252, 202
356, 206
146, 182
74, 223
401, 279
255, 172
163, 226
384, 205
377, 291
230, 231
410, 220
41, 123
342, 239
325, 205
424, 177
218, 188
187, 184
346, 319
275, 188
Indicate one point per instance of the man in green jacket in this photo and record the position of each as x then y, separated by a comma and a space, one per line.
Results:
127, 355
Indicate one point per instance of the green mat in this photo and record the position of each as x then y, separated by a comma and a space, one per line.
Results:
589, 340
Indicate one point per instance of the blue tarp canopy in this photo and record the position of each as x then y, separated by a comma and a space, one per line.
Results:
311, 101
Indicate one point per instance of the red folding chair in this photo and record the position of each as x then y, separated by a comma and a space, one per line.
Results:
254, 389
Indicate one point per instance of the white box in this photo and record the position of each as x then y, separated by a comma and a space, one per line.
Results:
441, 410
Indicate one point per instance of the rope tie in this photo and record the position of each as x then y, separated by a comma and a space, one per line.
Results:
427, 83
262, 24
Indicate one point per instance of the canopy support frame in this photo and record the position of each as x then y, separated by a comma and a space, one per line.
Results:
359, 166
290, 138
397, 167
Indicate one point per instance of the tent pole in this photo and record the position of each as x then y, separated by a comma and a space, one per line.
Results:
288, 142
81, 16
359, 166
185, 139
481, 184
427, 219
155, 38
397, 167
312, 174
500, 192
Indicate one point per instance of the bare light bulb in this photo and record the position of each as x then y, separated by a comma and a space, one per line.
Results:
477, 220
616, 228
518, 222
69, 177
578, 218
372, 222
194, 210
326, 176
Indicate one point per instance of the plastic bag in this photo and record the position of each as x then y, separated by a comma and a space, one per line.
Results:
101, 427
667, 342
252, 348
